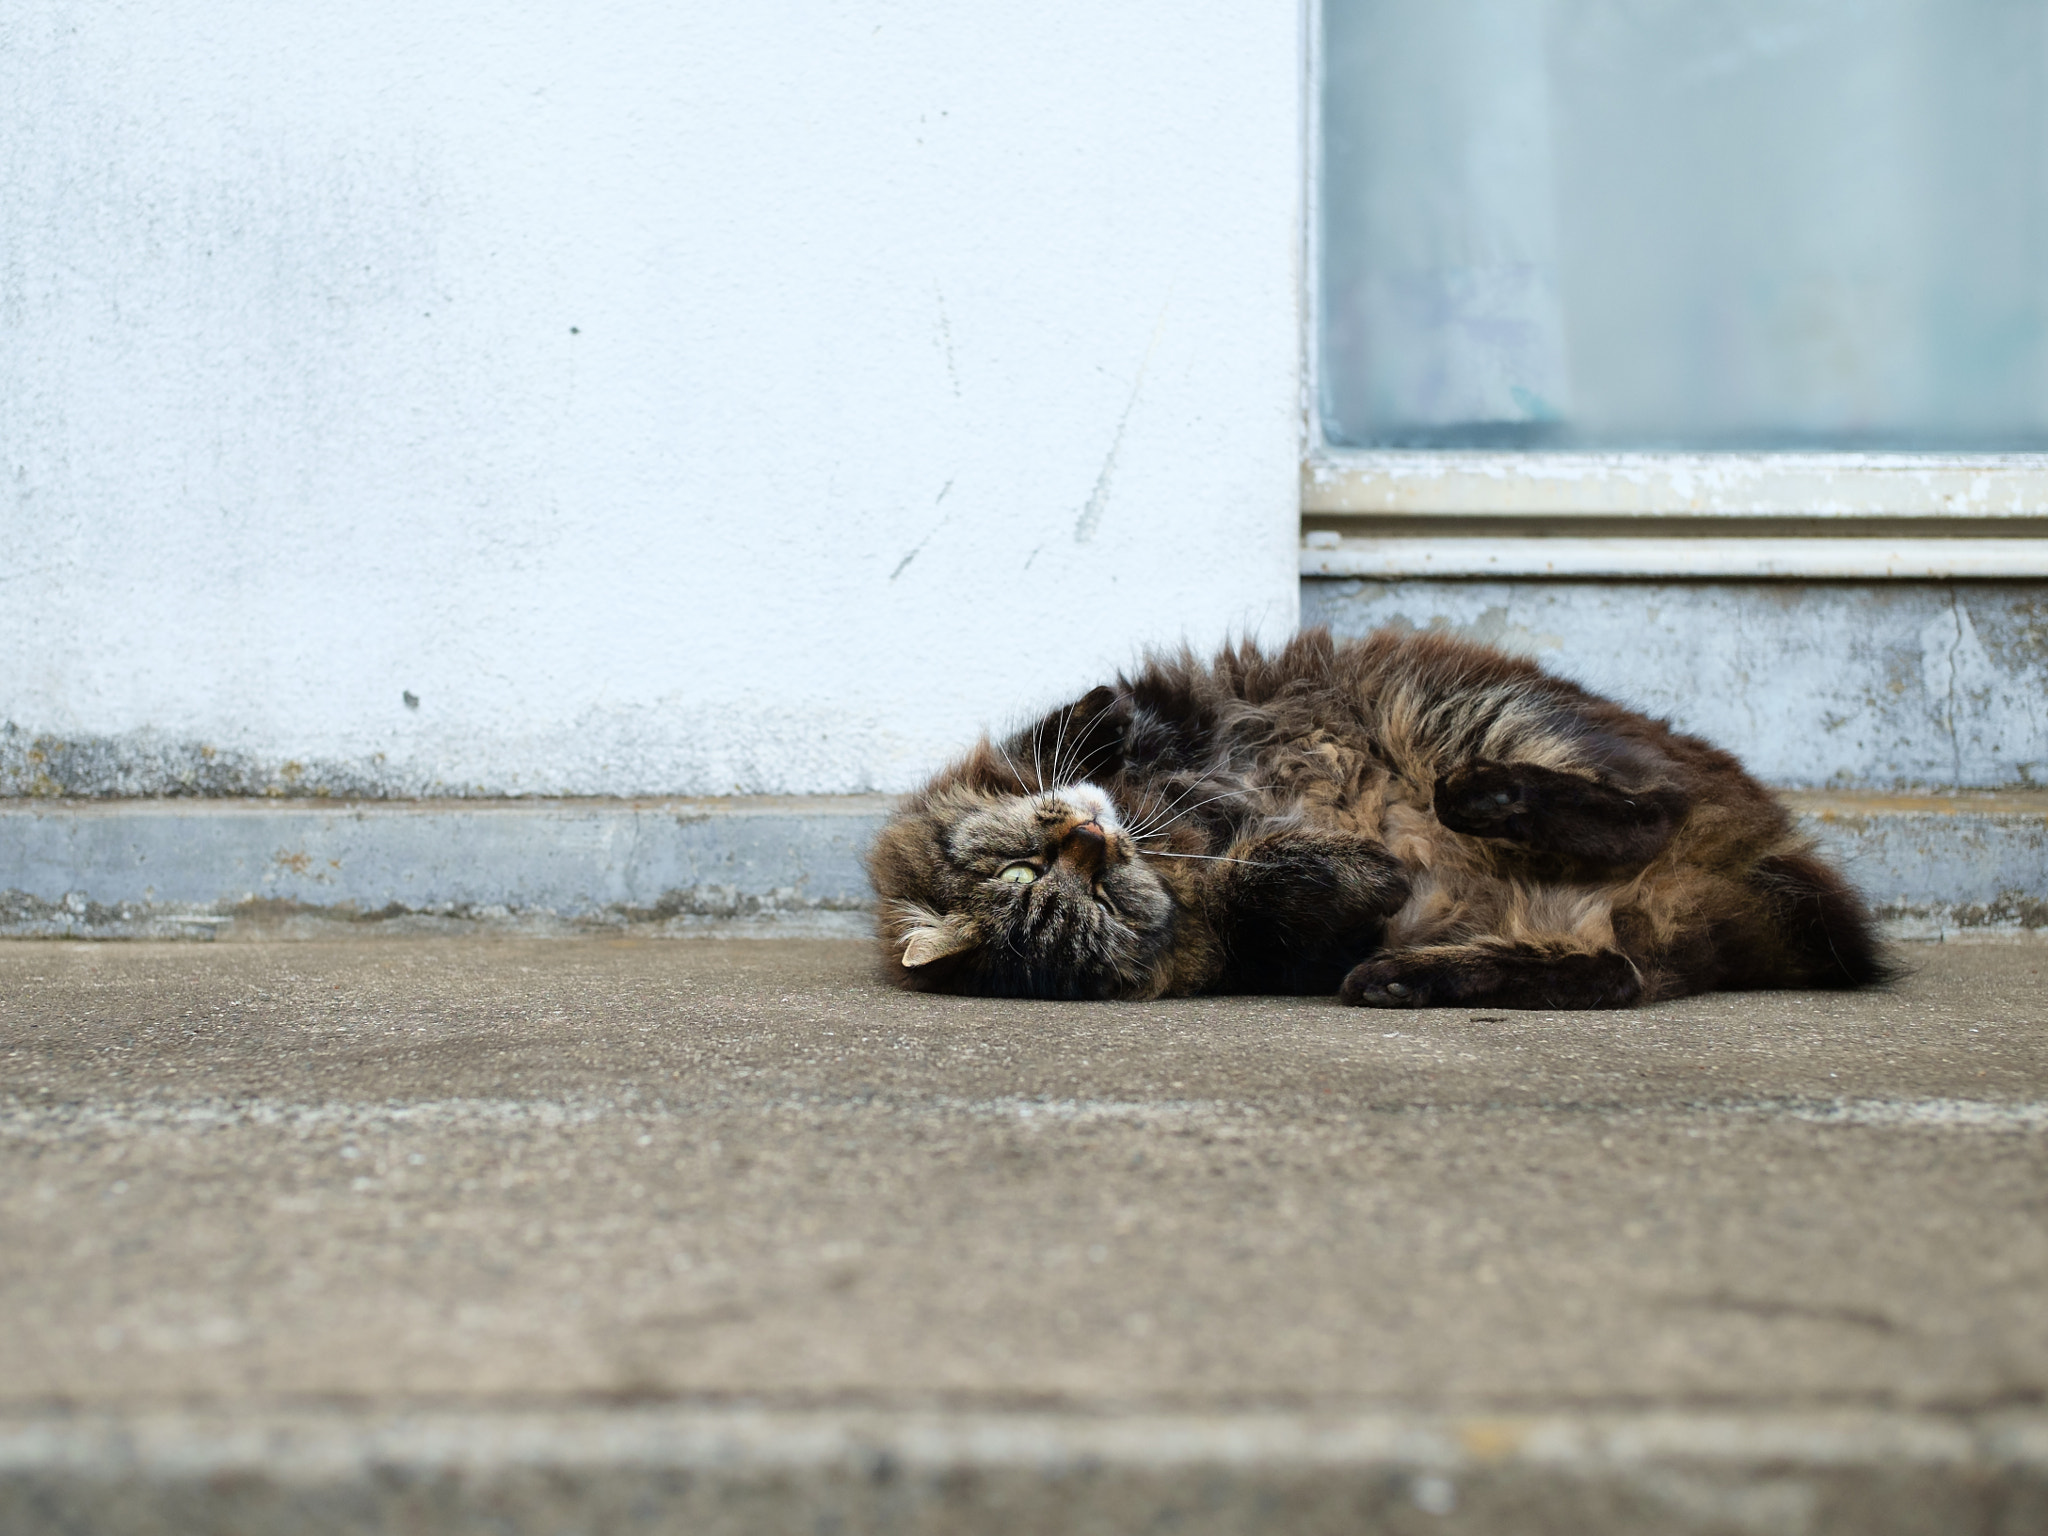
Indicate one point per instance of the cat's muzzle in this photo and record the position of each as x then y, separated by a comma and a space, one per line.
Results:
1085, 849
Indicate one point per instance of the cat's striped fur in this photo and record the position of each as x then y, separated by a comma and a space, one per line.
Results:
1406, 820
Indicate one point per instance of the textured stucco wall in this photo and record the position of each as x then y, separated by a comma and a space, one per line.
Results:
1887, 685
666, 398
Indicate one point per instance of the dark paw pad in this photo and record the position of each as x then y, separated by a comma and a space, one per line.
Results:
1386, 984
1484, 800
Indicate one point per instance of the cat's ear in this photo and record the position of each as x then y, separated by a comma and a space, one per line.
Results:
932, 938
1081, 740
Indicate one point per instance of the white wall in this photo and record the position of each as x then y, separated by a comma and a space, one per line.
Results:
747, 396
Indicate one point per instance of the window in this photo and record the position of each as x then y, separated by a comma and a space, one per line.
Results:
1681, 287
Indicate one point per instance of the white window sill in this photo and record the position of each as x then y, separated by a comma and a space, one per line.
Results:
1762, 516
1385, 557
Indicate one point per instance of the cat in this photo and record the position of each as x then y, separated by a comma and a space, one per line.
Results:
1407, 820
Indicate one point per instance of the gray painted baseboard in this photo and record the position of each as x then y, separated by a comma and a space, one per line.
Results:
1935, 865
200, 868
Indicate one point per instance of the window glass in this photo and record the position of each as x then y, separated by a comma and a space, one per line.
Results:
1685, 223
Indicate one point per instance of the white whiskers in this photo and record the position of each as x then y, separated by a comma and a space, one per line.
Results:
1160, 829
1012, 764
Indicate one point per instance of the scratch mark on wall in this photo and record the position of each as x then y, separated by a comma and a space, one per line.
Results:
1098, 499
1955, 740
904, 563
946, 341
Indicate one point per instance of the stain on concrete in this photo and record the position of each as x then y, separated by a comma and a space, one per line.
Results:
2013, 913
730, 901
1772, 1308
74, 916
711, 912
145, 764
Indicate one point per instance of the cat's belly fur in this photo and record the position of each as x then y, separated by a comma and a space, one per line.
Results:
1461, 887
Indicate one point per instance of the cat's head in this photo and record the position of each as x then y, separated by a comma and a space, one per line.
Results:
992, 886
999, 892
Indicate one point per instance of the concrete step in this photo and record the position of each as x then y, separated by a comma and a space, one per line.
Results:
1971, 864
459, 1236
608, 1471
1966, 864
281, 868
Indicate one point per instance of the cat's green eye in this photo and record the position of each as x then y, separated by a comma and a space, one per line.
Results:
1018, 874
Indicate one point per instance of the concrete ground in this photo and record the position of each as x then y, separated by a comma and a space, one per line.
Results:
632, 1235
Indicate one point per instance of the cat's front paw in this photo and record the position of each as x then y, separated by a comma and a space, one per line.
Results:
1319, 882
1494, 976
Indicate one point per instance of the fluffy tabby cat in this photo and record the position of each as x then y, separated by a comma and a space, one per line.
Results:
1407, 820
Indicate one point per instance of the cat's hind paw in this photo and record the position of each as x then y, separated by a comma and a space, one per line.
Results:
1387, 981
1465, 975
1485, 800
1549, 811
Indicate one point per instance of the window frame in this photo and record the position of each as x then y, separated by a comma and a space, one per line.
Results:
1391, 514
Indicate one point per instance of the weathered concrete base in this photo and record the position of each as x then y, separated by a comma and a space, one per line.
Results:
1821, 684
748, 1472
1937, 866
1940, 866
294, 868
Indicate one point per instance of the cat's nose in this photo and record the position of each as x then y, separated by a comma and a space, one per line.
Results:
1086, 848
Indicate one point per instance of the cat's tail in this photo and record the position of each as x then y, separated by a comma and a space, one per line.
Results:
1827, 933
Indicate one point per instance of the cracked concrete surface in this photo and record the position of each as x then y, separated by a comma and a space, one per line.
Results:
728, 1236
